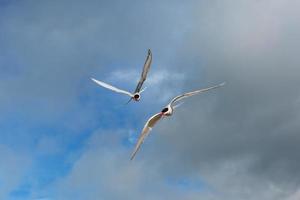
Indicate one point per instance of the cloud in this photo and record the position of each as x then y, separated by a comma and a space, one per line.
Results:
161, 84
13, 169
241, 140
294, 196
47, 56
252, 123
105, 171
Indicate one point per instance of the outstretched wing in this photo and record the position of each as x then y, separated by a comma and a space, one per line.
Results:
146, 130
179, 97
111, 87
145, 71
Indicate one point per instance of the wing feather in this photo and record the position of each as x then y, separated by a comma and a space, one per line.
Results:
145, 71
110, 87
188, 94
145, 132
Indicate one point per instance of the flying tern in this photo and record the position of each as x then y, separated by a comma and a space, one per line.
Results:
166, 111
138, 90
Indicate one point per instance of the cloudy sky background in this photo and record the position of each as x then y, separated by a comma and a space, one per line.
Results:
63, 137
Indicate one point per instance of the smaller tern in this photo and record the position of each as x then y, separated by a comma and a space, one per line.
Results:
167, 111
138, 90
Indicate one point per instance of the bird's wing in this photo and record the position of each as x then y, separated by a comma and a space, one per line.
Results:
180, 97
111, 87
146, 130
145, 71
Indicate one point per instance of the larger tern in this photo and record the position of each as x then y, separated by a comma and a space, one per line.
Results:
167, 111
138, 90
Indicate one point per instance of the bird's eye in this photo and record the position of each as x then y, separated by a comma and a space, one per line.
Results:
164, 110
136, 96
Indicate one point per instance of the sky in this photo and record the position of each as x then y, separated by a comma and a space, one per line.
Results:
63, 137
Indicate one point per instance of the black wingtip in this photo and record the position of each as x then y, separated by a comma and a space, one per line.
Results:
128, 101
132, 156
149, 51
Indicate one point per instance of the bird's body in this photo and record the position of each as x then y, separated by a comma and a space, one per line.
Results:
136, 96
138, 90
166, 111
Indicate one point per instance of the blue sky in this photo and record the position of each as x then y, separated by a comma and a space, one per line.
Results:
64, 137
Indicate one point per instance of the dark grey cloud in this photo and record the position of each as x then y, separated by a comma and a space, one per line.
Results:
252, 123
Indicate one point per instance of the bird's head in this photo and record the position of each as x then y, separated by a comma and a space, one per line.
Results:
136, 97
167, 111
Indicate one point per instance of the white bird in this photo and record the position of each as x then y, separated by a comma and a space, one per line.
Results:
167, 111
138, 90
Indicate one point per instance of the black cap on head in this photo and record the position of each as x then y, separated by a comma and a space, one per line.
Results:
165, 110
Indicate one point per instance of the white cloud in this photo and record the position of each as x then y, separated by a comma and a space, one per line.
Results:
157, 77
105, 171
129, 76
13, 167
161, 84
294, 196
